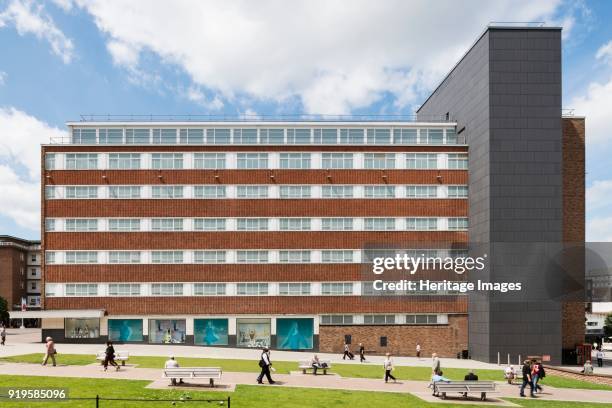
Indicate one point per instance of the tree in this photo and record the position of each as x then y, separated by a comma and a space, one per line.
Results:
4, 316
608, 326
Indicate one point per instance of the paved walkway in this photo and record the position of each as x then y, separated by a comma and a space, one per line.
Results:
230, 379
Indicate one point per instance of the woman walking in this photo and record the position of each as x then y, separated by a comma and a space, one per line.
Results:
361, 353
109, 356
388, 364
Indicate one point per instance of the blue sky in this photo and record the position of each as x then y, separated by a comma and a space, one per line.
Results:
63, 58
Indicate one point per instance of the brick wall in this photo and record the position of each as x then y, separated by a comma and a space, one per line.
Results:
10, 276
445, 340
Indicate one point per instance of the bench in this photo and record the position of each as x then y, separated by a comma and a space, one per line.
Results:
441, 388
209, 373
122, 356
306, 365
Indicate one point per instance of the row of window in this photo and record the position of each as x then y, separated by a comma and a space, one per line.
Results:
239, 256
256, 224
255, 191
328, 320
265, 136
177, 161
220, 289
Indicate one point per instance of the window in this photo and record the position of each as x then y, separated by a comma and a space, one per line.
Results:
252, 160
294, 289
209, 160
295, 192
81, 289
50, 257
379, 160
167, 160
81, 257
209, 224
421, 319
337, 191
272, 136
337, 319
124, 161
81, 191
252, 289
294, 256
191, 136
209, 257
49, 224
50, 161
245, 136
167, 224
124, 289
421, 191
81, 161
457, 224
457, 191
295, 160
298, 136
337, 160
252, 224
404, 136
50, 192
209, 289
379, 224
379, 191
451, 136
457, 161
167, 191
80, 225
252, 191
351, 136
337, 256
137, 136
167, 289
164, 136
124, 191
379, 319
252, 256
84, 136
337, 288
383, 341
432, 136
295, 224
123, 257
218, 136
209, 192
379, 136
167, 257
110, 136
421, 161
337, 224
123, 224
326, 136
422, 224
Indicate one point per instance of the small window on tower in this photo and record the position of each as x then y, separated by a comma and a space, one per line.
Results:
383, 341
347, 338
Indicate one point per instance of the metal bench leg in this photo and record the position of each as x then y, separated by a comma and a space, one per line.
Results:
304, 371
123, 363
443, 395
212, 383
483, 396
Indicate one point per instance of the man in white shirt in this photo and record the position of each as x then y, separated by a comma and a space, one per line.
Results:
265, 364
600, 356
172, 363
418, 351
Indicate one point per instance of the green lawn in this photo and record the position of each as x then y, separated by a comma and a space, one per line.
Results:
245, 396
283, 367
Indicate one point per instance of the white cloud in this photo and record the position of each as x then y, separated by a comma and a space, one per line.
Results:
595, 104
336, 56
604, 53
599, 195
29, 17
22, 135
599, 229
2, 77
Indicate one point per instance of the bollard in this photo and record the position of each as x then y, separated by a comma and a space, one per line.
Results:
498, 362
508, 358
520, 362
97, 401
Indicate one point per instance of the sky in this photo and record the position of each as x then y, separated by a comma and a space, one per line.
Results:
63, 58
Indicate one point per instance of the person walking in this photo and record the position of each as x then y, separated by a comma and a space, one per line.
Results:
265, 364
388, 364
361, 353
418, 351
347, 352
3, 335
109, 356
527, 380
435, 364
50, 351
600, 357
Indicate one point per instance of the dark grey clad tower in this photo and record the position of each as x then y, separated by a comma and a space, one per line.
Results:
505, 94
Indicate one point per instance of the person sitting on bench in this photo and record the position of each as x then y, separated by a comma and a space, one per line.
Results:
316, 364
172, 363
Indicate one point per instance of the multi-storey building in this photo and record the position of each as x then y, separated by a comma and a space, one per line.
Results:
252, 233
20, 273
